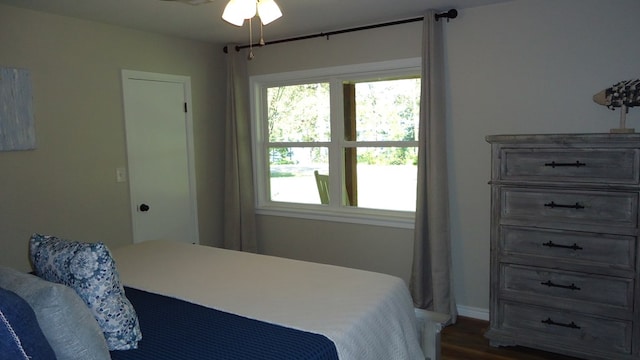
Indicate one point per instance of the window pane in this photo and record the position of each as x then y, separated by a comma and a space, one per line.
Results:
386, 110
386, 178
299, 113
291, 173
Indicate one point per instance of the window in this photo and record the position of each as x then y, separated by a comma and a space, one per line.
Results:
358, 126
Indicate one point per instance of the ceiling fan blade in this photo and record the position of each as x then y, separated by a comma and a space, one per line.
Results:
192, 2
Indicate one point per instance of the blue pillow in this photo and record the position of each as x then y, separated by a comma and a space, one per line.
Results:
89, 269
20, 334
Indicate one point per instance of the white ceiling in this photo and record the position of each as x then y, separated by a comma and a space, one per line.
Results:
203, 22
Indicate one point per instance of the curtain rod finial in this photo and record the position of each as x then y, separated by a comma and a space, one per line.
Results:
451, 14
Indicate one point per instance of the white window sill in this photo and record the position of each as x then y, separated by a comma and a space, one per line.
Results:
394, 219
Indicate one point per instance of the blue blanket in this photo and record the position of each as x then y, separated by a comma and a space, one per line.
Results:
173, 329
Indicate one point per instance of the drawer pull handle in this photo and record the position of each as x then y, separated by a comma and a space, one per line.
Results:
572, 325
550, 284
553, 164
553, 205
573, 247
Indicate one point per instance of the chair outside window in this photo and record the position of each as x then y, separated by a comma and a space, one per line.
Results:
322, 181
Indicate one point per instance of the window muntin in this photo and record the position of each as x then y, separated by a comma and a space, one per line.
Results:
383, 183
299, 113
299, 130
386, 110
373, 166
291, 177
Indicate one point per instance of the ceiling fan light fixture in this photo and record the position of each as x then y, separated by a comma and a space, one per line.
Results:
237, 11
268, 11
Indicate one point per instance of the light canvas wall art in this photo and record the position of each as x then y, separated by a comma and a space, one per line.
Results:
17, 130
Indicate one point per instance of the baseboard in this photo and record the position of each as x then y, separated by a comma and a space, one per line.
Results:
473, 312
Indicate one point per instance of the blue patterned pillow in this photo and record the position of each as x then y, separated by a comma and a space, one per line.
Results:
89, 269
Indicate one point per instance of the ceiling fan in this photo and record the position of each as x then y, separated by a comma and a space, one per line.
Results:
237, 11
192, 2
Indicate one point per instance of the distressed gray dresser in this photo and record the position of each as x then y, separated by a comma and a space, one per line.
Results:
564, 230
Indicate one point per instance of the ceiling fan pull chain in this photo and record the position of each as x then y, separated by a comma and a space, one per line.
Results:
250, 57
261, 35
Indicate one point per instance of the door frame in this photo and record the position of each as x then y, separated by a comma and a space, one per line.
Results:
186, 83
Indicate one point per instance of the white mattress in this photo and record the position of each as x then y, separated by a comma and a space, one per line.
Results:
367, 315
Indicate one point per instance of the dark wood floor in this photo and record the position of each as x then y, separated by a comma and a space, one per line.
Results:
465, 340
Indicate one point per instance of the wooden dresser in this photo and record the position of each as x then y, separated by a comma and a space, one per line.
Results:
564, 250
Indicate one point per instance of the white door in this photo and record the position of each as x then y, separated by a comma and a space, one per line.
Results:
160, 156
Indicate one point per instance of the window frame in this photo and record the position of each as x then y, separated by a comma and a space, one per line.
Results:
334, 75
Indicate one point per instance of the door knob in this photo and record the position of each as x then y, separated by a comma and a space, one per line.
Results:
143, 207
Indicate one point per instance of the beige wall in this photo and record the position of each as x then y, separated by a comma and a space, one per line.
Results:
374, 248
528, 66
67, 186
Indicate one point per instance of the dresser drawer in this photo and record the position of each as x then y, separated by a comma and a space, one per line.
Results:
569, 206
593, 250
576, 165
566, 329
552, 287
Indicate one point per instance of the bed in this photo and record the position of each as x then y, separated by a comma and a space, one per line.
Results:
198, 302
366, 315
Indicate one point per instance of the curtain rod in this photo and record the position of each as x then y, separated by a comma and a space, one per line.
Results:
451, 14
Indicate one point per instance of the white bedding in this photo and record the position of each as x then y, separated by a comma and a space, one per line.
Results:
367, 315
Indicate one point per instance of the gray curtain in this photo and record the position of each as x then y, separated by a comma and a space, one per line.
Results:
239, 208
431, 280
